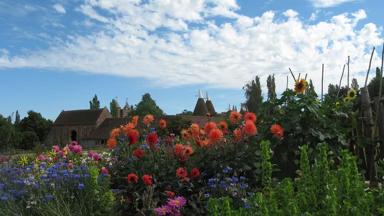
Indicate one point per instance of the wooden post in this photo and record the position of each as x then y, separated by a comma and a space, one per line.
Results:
322, 82
369, 67
380, 111
341, 78
287, 83
368, 132
348, 74
294, 78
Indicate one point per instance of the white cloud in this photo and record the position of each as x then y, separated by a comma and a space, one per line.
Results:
59, 8
290, 13
328, 3
192, 49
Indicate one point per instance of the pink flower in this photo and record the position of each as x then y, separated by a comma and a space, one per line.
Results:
41, 157
56, 148
91, 153
104, 171
163, 210
70, 165
177, 202
77, 149
96, 157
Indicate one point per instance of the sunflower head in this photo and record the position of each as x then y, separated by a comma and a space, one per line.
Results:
351, 95
300, 86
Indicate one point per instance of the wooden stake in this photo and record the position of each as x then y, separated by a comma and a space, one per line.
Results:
305, 78
369, 67
341, 78
294, 78
298, 78
348, 74
287, 82
322, 82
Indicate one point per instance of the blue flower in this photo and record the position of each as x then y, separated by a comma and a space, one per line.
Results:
243, 185
48, 197
4, 197
227, 169
234, 179
81, 186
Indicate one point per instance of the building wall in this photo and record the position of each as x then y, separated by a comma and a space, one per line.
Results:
61, 135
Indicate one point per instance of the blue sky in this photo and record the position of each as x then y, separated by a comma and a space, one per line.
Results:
55, 55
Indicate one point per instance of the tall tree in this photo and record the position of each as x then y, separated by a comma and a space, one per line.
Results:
17, 118
148, 106
114, 108
94, 103
254, 99
33, 129
271, 87
7, 133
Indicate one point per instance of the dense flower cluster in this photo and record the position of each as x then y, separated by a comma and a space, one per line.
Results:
172, 208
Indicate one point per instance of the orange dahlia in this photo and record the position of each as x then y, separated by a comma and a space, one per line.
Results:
128, 127
188, 150
134, 120
115, 133
234, 117
215, 135
223, 125
237, 135
250, 128
277, 131
162, 123
250, 116
148, 119
209, 126
195, 130
178, 149
112, 143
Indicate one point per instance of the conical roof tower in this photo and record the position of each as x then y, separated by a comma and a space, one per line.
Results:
200, 108
210, 107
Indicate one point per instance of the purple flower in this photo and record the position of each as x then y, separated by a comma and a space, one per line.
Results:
163, 210
177, 202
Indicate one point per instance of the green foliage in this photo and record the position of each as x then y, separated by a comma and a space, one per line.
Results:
114, 108
176, 123
320, 189
147, 106
253, 95
36, 123
94, 104
7, 134
17, 118
266, 165
271, 87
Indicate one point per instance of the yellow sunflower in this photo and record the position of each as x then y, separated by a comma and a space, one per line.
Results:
300, 86
351, 95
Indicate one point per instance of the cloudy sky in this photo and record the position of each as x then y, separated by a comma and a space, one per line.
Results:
55, 55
